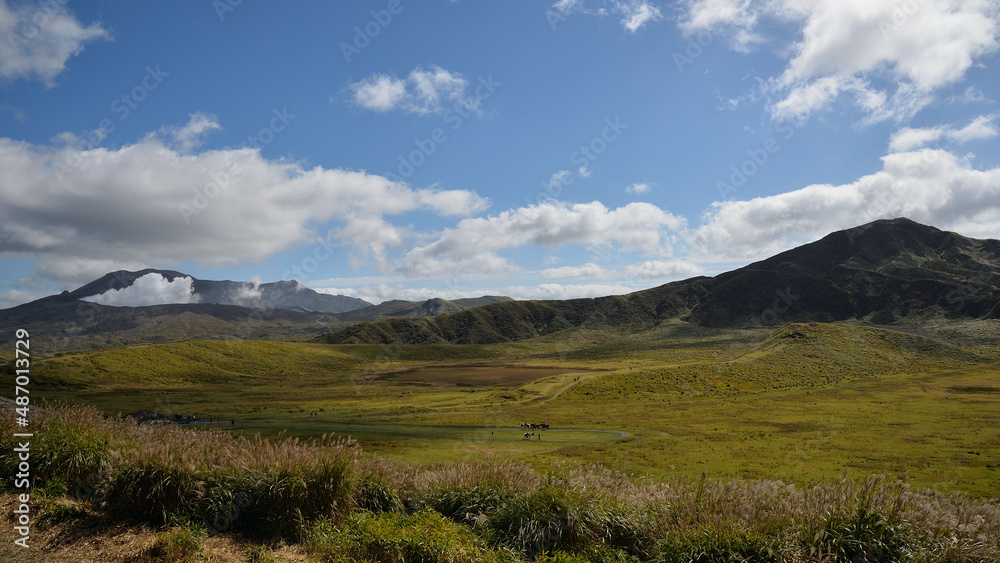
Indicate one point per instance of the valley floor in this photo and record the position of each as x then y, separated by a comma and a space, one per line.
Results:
799, 403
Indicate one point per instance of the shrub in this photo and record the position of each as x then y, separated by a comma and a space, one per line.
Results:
150, 490
712, 545
374, 494
424, 537
70, 445
549, 519
180, 544
467, 504
281, 497
864, 537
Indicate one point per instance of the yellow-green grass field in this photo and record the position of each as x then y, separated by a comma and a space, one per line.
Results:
800, 403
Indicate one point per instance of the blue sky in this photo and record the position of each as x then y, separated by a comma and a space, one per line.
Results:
396, 149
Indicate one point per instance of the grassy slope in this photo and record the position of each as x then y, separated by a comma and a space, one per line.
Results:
797, 403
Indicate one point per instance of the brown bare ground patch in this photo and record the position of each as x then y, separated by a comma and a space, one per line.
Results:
472, 375
974, 389
89, 538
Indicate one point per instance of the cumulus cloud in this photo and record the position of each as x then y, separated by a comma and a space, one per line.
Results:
980, 128
38, 39
664, 269
637, 13
566, 6
15, 297
423, 92
909, 138
638, 188
636, 226
147, 203
378, 293
379, 92
587, 271
933, 187
632, 14
886, 58
189, 136
150, 289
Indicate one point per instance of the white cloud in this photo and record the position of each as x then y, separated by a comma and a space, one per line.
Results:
559, 178
75, 270
933, 187
638, 188
566, 6
890, 62
422, 92
712, 15
189, 136
663, 269
150, 289
980, 128
379, 92
909, 138
471, 244
633, 14
38, 39
378, 293
85, 212
567, 291
637, 13
15, 297
972, 95
587, 271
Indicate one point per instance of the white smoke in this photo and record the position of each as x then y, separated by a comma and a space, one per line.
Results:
150, 289
248, 295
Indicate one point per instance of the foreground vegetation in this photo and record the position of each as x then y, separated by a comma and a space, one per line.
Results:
802, 402
337, 504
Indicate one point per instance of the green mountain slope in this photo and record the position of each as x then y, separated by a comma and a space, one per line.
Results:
882, 272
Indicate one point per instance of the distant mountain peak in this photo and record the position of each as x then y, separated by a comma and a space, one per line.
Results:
284, 294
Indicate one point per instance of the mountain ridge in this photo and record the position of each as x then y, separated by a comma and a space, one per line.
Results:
283, 310
880, 272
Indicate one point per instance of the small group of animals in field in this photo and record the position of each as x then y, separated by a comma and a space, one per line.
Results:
534, 426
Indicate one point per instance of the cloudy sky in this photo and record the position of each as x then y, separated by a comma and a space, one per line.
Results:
399, 149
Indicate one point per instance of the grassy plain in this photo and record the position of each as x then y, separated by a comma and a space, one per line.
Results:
799, 403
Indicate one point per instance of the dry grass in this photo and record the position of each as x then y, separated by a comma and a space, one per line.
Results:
171, 493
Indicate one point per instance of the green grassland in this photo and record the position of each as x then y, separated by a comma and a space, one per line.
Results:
800, 403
